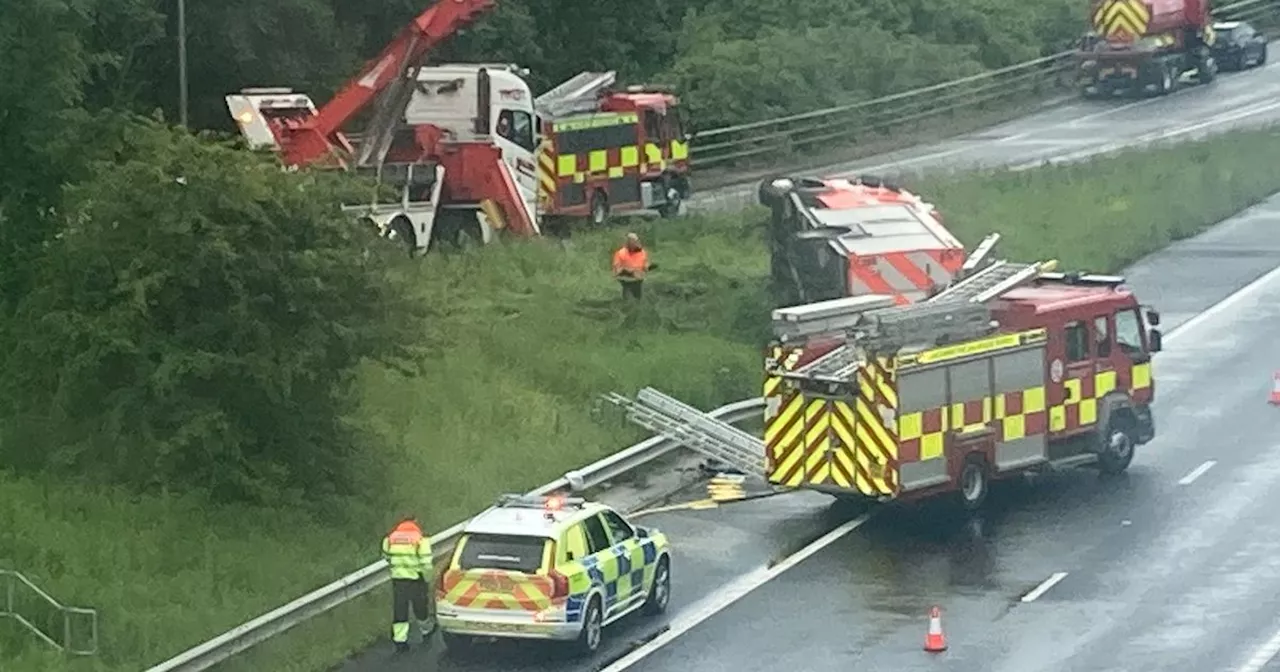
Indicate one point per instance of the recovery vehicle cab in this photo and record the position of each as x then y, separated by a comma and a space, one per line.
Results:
830, 238
1012, 369
551, 568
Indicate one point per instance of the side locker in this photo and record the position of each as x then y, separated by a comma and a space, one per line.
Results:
971, 409
922, 426
1018, 378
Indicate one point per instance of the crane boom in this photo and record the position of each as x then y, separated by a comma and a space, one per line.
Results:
314, 139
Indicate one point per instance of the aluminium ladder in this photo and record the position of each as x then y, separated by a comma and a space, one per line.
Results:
959, 311
575, 95
678, 421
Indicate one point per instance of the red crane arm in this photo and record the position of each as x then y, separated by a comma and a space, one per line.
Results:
315, 139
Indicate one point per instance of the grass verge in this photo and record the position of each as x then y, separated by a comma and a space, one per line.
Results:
526, 336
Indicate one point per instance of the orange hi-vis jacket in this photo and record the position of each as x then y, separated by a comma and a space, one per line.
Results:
625, 260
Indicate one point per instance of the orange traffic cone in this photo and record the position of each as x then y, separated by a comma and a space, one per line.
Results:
935, 641
1275, 390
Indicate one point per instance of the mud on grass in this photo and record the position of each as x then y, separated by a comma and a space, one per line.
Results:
523, 338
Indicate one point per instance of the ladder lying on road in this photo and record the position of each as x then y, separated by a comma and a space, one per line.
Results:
665, 415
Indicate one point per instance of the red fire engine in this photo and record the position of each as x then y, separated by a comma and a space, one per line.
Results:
1010, 369
836, 237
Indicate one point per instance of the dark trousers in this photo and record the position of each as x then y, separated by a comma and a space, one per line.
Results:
409, 594
632, 289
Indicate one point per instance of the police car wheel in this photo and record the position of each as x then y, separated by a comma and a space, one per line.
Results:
660, 593
592, 627
456, 643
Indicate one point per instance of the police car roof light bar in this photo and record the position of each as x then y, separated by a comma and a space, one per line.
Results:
540, 502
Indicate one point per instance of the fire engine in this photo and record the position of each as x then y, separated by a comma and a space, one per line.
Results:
468, 150
830, 238
1011, 368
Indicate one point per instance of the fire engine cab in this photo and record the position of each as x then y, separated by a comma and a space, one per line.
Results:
852, 237
1011, 369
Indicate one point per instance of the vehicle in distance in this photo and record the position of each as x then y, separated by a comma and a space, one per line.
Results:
550, 568
1145, 47
1238, 45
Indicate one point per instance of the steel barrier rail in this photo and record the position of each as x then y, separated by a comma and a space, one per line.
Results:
368, 578
720, 147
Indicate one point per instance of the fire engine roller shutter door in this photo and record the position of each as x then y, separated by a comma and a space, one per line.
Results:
922, 424
1019, 388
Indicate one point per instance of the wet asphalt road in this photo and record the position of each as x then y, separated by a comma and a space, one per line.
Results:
1135, 593
1072, 131
1161, 575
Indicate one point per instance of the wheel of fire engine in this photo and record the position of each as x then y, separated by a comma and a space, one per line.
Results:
660, 594
599, 208
592, 628
671, 208
1117, 444
401, 233
973, 481
1206, 70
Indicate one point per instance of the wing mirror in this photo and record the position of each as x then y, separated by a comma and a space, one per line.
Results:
1153, 317
1157, 340
642, 532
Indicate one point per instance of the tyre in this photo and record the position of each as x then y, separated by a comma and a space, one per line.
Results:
1116, 444
1262, 58
456, 644
599, 208
588, 641
974, 482
401, 233
660, 592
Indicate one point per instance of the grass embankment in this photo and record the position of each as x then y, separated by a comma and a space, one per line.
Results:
529, 335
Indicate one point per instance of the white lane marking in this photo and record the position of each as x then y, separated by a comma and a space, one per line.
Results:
1263, 655
1232, 299
1151, 138
1008, 138
1044, 587
715, 603
1197, 473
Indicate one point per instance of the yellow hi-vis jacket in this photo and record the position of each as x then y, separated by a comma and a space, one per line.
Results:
408, 551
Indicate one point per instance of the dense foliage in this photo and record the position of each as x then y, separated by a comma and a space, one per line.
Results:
175, 315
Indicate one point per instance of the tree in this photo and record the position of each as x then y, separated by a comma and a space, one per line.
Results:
197, 325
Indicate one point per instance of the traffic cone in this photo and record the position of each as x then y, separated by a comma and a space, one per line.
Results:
1275, 390
935, 641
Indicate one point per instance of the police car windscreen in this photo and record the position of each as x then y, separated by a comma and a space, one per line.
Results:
493, 551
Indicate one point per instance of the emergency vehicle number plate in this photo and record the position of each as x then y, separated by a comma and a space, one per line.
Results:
496, 583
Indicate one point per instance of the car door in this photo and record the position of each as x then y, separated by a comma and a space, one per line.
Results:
630, 559
602, 564
1075, 407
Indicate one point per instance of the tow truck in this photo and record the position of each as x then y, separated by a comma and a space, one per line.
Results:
466, 147
1011, 369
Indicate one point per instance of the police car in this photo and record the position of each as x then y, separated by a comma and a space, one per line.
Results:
550, 568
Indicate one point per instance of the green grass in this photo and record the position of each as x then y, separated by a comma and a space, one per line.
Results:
526, 337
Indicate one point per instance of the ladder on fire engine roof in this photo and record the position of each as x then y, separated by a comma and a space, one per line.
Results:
718, 440
576, 95
958, 312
